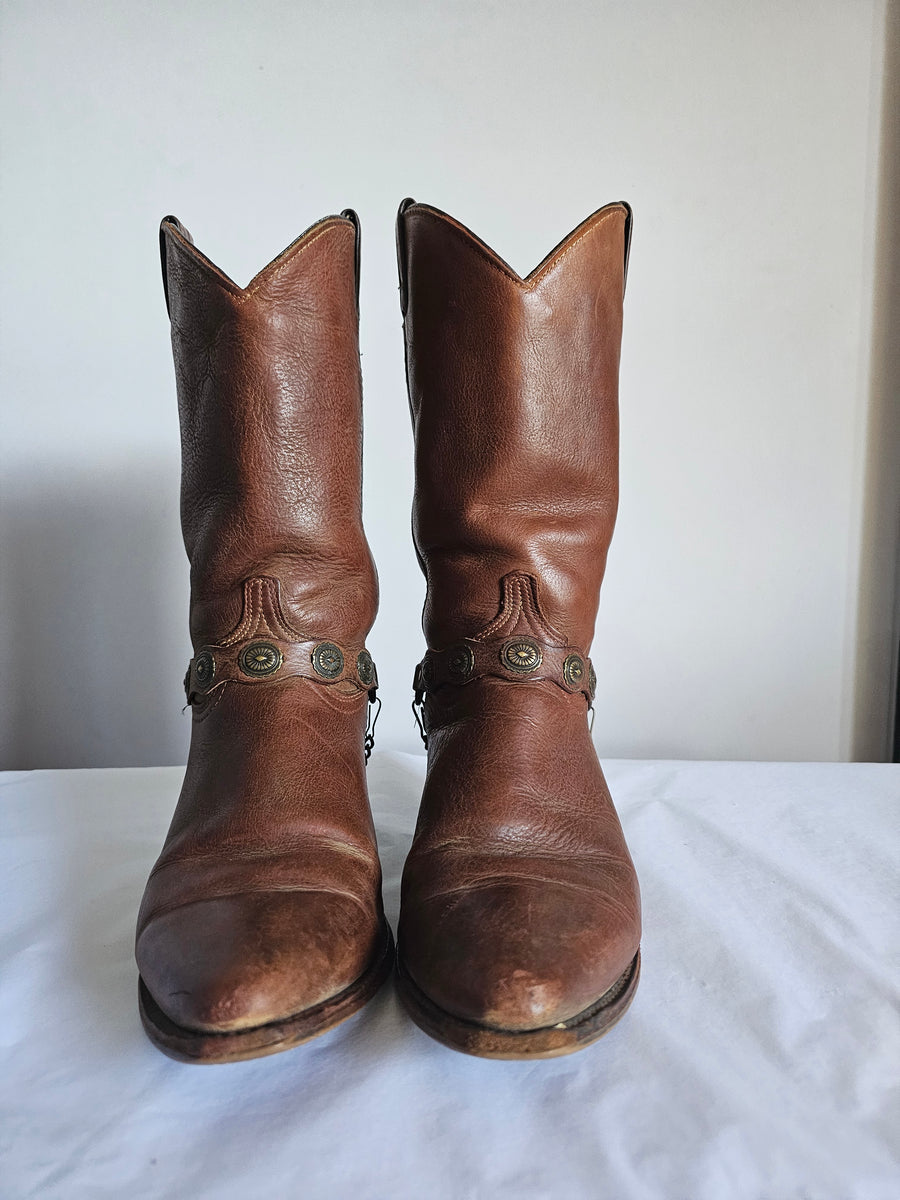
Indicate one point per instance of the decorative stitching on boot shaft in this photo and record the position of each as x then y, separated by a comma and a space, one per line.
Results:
262, 612
265, 646
519, 597
502, 649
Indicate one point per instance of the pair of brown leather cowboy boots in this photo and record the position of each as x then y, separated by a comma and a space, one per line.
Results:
262, 922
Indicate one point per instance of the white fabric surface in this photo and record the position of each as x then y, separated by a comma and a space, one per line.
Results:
760, 1059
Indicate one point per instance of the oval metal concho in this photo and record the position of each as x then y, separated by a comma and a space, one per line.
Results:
460, 662
204, 670
260, 659
573, 670
521, 655
365, 668
427, 671
327, 660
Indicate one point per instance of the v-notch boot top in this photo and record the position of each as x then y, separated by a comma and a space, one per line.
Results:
520, 910
262, 922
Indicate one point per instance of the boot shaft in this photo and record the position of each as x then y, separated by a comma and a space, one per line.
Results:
270, 407
513, 388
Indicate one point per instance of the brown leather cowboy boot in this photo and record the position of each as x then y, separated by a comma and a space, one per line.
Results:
262, 923
520, 914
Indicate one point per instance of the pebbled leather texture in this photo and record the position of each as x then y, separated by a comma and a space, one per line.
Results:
520, 903
266, 898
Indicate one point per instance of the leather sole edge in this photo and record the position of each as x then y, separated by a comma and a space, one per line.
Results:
550, 1041
205, 1048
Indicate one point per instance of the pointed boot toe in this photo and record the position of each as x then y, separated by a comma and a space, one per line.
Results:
516, 957
220, 966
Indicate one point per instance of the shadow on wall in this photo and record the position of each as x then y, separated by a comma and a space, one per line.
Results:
95, 584
878, 628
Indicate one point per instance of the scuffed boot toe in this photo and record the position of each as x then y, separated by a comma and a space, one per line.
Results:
516, 956
239, 962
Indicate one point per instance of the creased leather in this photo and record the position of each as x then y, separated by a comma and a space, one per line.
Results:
266, 898
520, 904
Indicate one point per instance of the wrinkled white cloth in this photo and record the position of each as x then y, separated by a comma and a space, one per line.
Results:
760, 1059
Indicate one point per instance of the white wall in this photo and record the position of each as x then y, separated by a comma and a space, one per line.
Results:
746, 136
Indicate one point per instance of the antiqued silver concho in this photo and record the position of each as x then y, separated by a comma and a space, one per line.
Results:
573, 670
260, 659
327, 660
522, 655
365, 668
461, 662
204, 670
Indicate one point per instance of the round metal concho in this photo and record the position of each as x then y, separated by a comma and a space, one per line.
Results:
365, 668
427, 671
260, 659
573, 670
327, 660
204, 670
461, 662
522, 656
